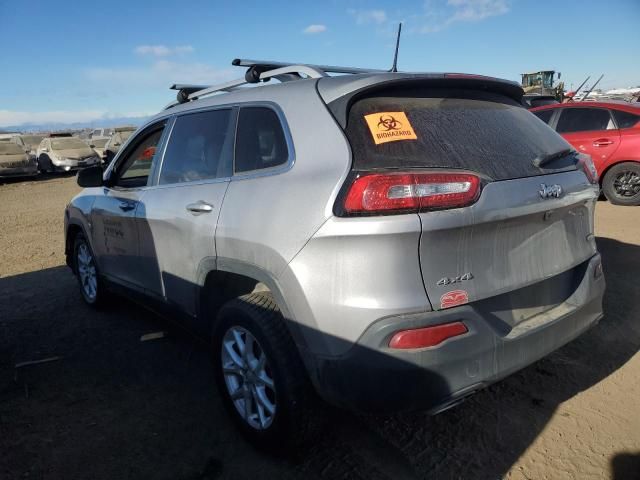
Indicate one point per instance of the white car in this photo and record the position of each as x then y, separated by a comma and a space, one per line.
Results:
62, 154
29, 143
98, 145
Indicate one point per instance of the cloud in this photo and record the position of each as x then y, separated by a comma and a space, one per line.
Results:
160, 74
439, 15
162, 50
368, 16
313, 29
11, 117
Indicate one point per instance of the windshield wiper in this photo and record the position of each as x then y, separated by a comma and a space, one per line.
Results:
542, 159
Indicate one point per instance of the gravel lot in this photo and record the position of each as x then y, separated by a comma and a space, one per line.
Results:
112, 407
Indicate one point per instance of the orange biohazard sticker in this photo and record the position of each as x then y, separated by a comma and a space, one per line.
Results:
389, 127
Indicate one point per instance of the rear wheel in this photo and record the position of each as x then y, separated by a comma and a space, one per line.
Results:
260, 375
621, 184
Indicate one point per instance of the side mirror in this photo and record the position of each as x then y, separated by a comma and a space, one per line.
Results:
90, 177
117, 144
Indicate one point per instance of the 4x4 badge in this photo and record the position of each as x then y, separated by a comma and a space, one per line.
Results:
458, 279
549, 191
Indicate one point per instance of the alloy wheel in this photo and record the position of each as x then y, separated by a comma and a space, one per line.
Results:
627, 184
87, 272
248, 378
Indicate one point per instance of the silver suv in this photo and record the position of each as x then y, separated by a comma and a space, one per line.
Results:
389, 241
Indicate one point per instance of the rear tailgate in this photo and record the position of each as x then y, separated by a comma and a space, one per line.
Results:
510, 238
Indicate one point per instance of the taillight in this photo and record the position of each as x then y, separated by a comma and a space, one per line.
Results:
586, 163
406, 192
427, 336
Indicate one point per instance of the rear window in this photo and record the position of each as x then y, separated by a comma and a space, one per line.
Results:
584, 120
625, 119
473, 132
260, 140
544, 115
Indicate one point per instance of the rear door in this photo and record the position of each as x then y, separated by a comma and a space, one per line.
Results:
114, 231
517, 233
590, 130
179, 214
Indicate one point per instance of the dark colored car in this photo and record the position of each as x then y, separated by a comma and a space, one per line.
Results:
14, 161
532, 101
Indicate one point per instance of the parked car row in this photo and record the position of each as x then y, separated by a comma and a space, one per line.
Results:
27, 155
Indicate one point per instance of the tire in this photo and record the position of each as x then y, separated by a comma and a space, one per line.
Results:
42, 165
621, 184
91, 287
294, 416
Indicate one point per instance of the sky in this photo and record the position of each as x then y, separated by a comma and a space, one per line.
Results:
81, 61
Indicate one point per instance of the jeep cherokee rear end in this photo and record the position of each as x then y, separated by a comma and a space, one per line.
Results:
419, 237
461, 249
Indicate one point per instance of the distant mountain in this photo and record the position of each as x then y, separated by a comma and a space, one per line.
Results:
53, 126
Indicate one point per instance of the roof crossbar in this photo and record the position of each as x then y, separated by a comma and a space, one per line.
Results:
262, 71
298, 70
268, 65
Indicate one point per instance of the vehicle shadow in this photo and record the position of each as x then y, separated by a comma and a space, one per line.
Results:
113, 406
35, 178
626, 466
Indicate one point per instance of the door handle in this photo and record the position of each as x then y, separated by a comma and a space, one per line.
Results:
126, 206
200, 207
603, 142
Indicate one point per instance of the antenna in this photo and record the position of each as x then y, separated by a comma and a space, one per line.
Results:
591, 89
394, 68
580, 87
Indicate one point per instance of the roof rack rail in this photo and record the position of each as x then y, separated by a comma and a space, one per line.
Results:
262, 71
268, 65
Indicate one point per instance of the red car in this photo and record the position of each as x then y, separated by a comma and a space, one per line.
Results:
610, 133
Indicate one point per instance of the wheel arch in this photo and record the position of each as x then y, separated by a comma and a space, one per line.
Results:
231, 279
73, 229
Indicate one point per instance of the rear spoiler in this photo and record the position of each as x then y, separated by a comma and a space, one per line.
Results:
339, 93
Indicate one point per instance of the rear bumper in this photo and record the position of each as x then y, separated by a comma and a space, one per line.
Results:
372, 377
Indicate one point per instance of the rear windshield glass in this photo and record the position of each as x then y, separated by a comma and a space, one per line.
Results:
10, 148
499, 140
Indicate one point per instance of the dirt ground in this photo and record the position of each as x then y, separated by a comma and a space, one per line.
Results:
112, 407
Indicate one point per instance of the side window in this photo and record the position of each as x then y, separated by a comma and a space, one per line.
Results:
544, 115
625, 119
584, 120
133, 170
200, 148
260, 140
